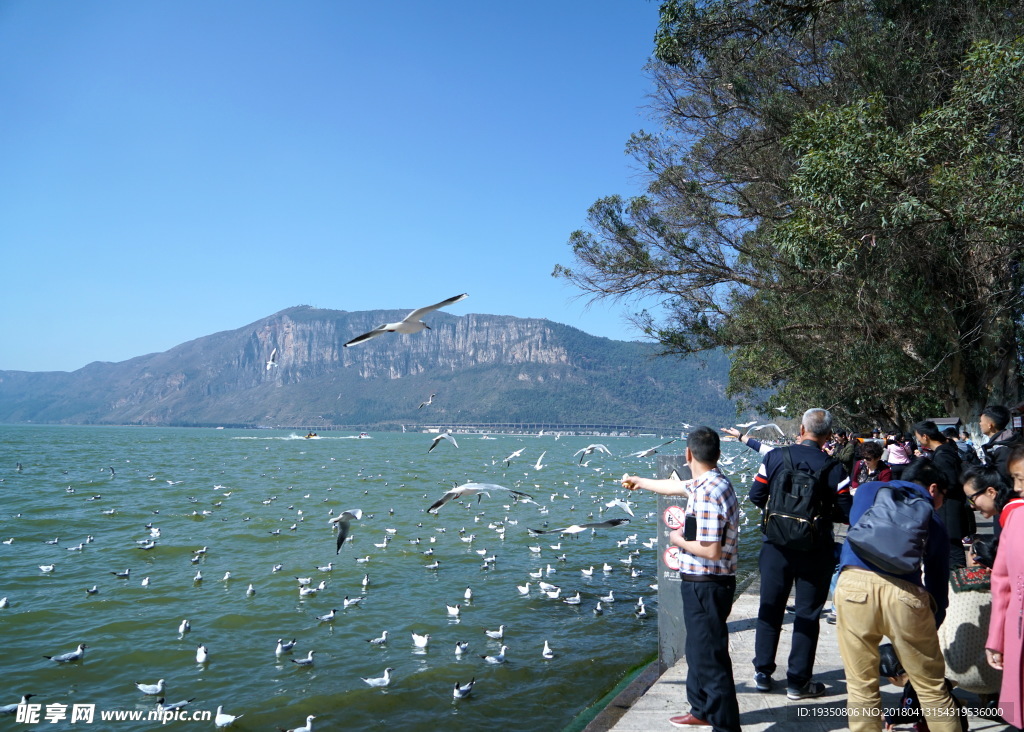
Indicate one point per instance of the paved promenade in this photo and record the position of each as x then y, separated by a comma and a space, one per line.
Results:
650, 701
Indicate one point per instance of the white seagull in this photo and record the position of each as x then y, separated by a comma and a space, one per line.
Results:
461, 691
379, 641
500, 658
272, 361
202, 654
410, 324
151, 689
13, 708
284, 647
621, 504
74, 655
443, 436
580, 528
428, 402
547, 652
380, 680
342, 522
307, 727
651, 450
307, 661
420, 641
583, 452
496, 634
225, 720
472, 489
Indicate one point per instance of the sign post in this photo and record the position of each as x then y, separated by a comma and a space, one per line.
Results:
671, 631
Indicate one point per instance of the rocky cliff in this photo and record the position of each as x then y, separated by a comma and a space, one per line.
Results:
484, 368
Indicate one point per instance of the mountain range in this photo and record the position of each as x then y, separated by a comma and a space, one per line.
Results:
484, 369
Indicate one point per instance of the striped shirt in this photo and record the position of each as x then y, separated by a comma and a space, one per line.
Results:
713, 503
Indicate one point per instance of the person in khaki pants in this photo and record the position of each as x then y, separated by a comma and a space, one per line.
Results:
872, 604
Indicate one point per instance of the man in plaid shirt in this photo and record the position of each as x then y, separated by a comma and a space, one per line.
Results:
707, 566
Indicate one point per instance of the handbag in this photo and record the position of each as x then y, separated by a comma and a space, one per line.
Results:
971, 579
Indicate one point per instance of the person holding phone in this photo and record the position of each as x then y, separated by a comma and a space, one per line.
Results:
708, 540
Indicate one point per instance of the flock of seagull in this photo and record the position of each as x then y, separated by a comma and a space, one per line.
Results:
489, 510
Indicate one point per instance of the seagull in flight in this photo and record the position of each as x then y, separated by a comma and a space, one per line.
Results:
589, 449
342, 522
515, 454
442, 436
747, 424
580, 528
410, 324
472, 489
428, 402
272, 361
651, 450
774, 426
621, 504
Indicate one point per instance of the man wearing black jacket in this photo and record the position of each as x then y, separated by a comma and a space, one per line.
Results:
955, 514
1001, 441
782, 567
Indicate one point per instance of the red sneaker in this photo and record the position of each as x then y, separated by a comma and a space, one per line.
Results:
688, 721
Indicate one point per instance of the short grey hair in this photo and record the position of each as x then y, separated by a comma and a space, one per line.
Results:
817, 421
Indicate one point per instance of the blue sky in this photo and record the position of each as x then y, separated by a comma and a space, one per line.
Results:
175, 169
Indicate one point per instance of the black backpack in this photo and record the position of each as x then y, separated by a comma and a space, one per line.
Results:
893, 533
799, 500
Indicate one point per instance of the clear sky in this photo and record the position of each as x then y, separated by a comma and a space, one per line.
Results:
171, 169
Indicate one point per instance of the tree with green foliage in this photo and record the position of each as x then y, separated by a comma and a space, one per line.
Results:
835, 197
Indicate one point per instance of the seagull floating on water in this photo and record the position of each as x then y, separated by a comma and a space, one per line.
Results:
225, 720
307, 661
461, 691
420, 641
499, 658
74, 655
175, 706
151, 689
411, 323
547, 652
202, 654
380, 640
496, 634
308, 727
284, 647
381, 680
13, 708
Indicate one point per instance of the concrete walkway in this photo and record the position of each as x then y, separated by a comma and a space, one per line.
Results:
650, 701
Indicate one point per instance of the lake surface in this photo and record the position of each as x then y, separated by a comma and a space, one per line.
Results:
232, 491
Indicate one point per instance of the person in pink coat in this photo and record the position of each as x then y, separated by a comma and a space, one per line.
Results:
1005, 633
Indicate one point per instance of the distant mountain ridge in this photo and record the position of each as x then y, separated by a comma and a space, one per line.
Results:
483, 368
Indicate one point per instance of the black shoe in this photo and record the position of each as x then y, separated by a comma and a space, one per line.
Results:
810, 690
762, 681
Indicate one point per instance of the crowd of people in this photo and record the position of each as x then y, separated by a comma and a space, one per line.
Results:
886, 525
